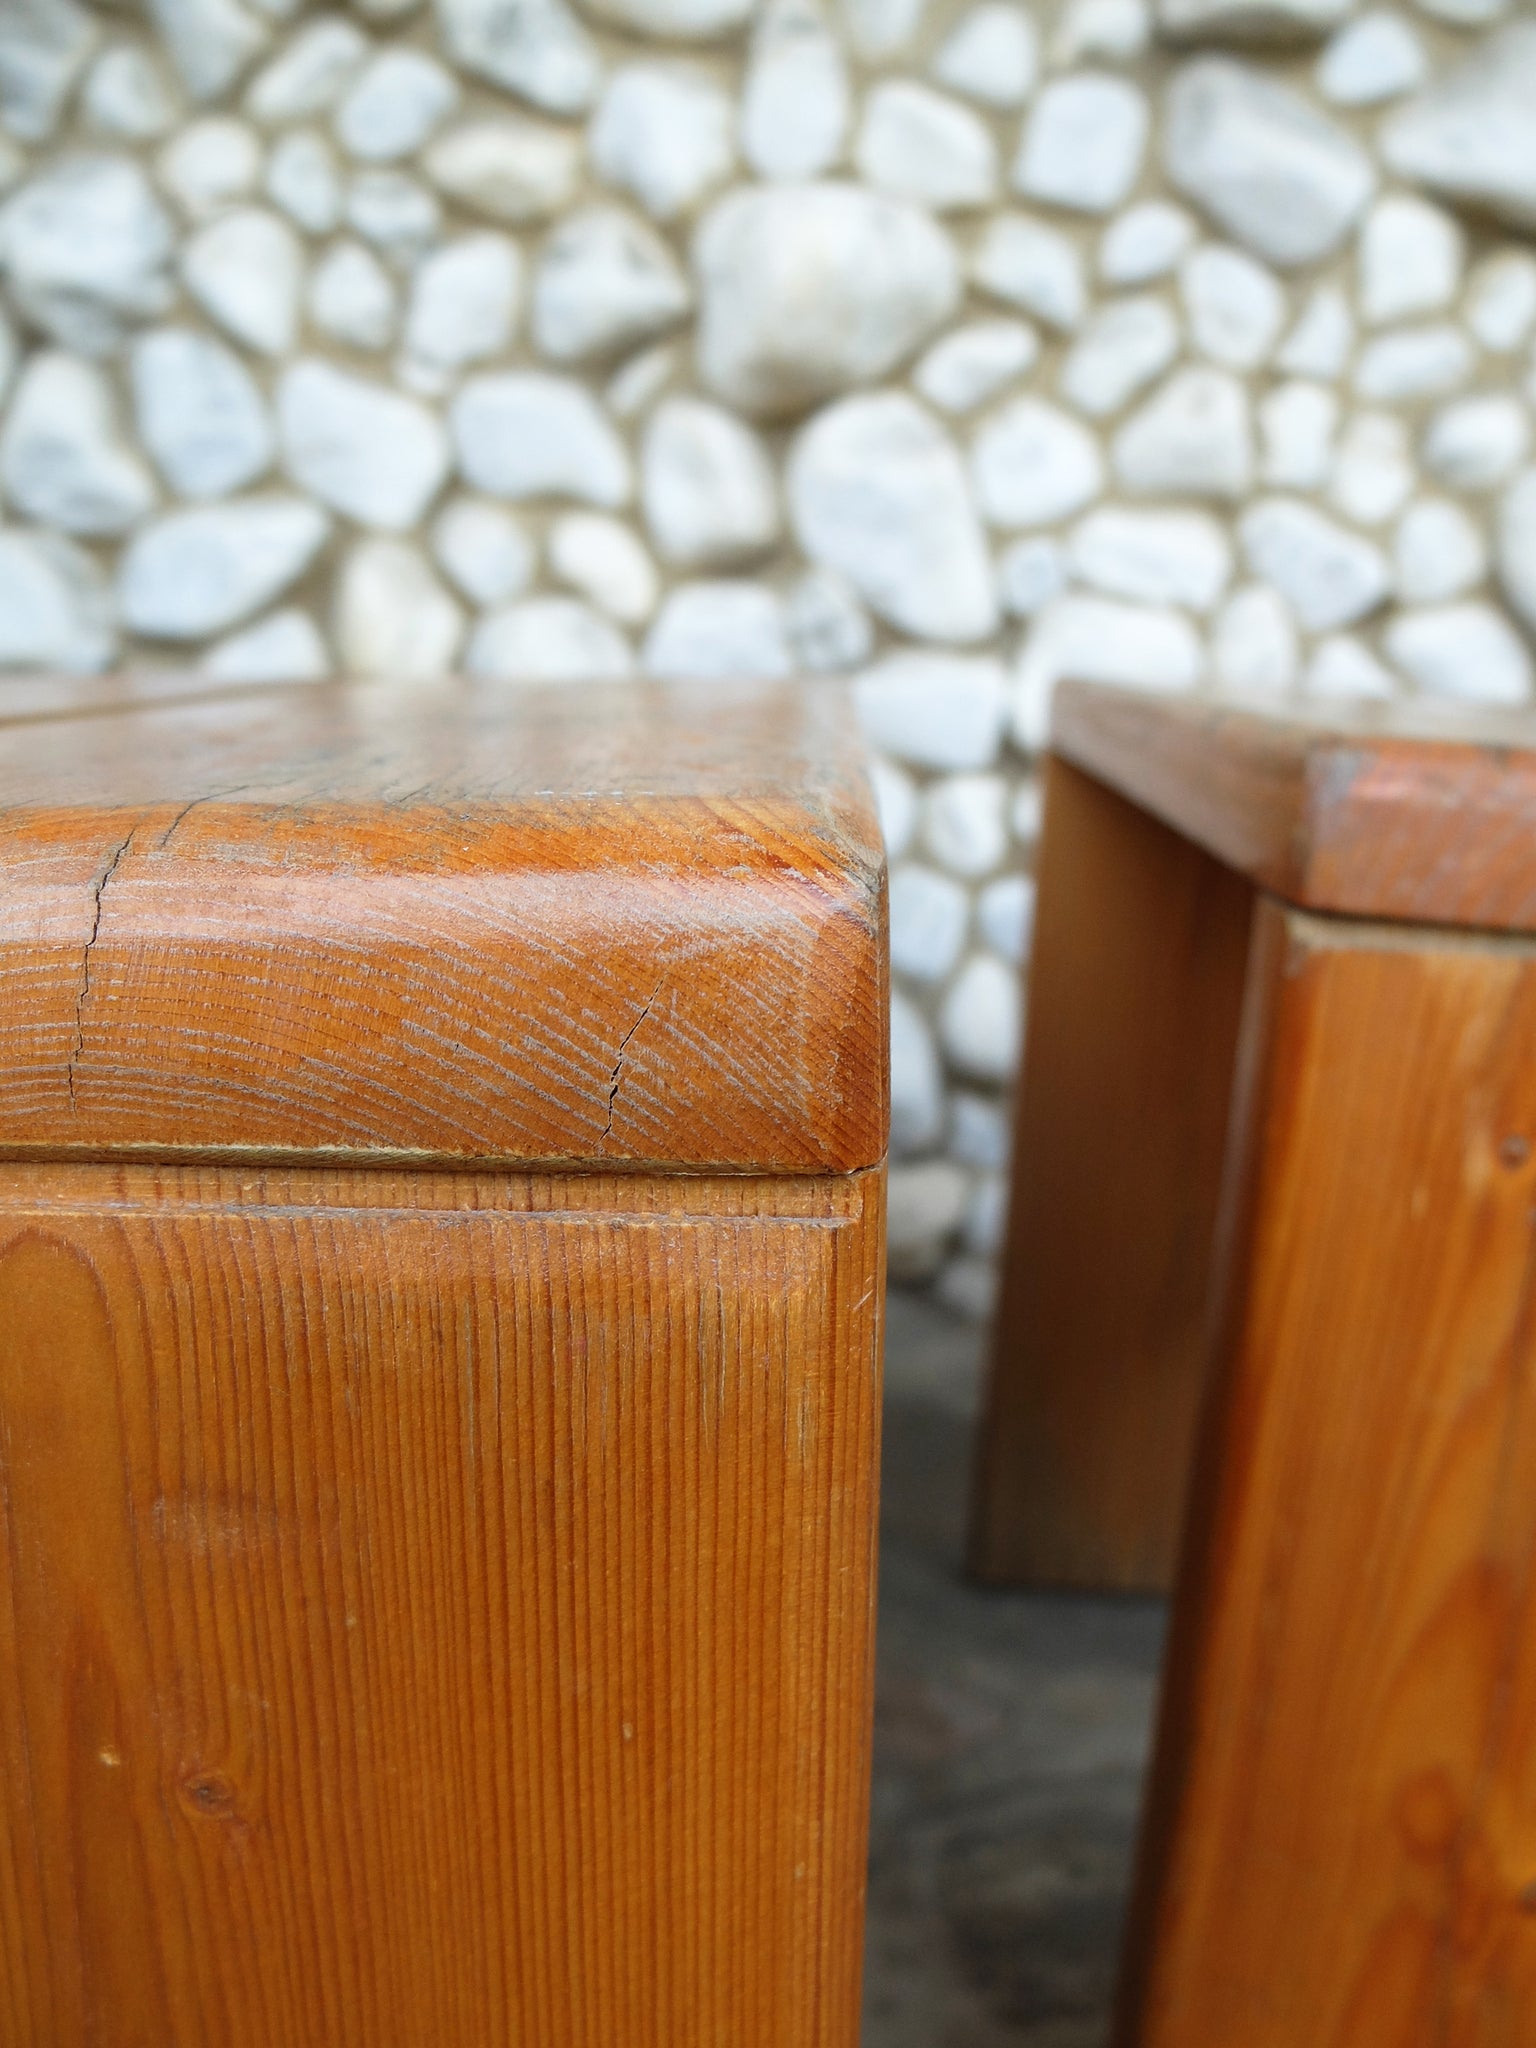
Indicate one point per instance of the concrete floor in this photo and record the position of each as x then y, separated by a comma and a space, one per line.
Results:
1011, 1732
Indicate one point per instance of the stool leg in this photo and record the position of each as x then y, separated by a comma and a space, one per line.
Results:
1135, 991
1340, 1845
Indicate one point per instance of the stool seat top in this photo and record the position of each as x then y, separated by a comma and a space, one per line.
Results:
616, 925
1403, 809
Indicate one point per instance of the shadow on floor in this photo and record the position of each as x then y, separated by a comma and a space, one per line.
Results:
1011, 1731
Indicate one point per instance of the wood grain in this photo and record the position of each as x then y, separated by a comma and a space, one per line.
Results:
1341, 1843
1135, 989
434, 1607
1406, 809
632, 926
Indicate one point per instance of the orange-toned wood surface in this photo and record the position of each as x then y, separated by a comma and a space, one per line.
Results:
449, 922
434, 1608
1405, 809
1139, 957
1341, 1843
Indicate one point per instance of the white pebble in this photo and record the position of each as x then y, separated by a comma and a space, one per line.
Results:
245, 270
1515, 541
1373, 468
806, 290
309, 75
1181, 558
483, 549
303, 180
829, 629
664, 134
1468, 652
1005, 915
965, 823
512, 168
1100, 640
929, 914
86, 245
992, 54
1413, 362
522, 434
549, 640
1343, 667
924, 1207
1255, 648
395, 213
877, 491
1329, 576
880, 29
1236, 307
605, 282
199, 411
1109, 31
126, 95
352, 297
636, 384
895, 796
284, 647
981, 1022
919, 145
980, 1135
1375, 57
1033, 464
1319, 344
974, 362
1501, 300
1411, 258
210, 42
1032, 267
1192, 438
195, 572
1467, 135
917, 1089
1475, 443
1146, 242
398, 99
464, 300
1279, 176
601, 558
707, 486
211, 163
1297, 425
359, 447
1030, 573
718, 629
941, 711
393, 616
536, 49
1437, 553
55, 610
65, 460
795, 96
1083, 143
1126, 344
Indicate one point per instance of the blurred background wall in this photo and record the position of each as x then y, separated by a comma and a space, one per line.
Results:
954, 345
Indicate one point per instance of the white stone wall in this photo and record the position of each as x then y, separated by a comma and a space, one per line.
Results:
953, 344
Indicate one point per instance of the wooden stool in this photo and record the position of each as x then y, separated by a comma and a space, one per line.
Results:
440, 1279
1278, 1114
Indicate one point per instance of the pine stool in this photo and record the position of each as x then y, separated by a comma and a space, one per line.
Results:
1276, 1169
440, 1288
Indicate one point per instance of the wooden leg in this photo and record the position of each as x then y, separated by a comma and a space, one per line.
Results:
434, 1609
1341, 1840
1134, 998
